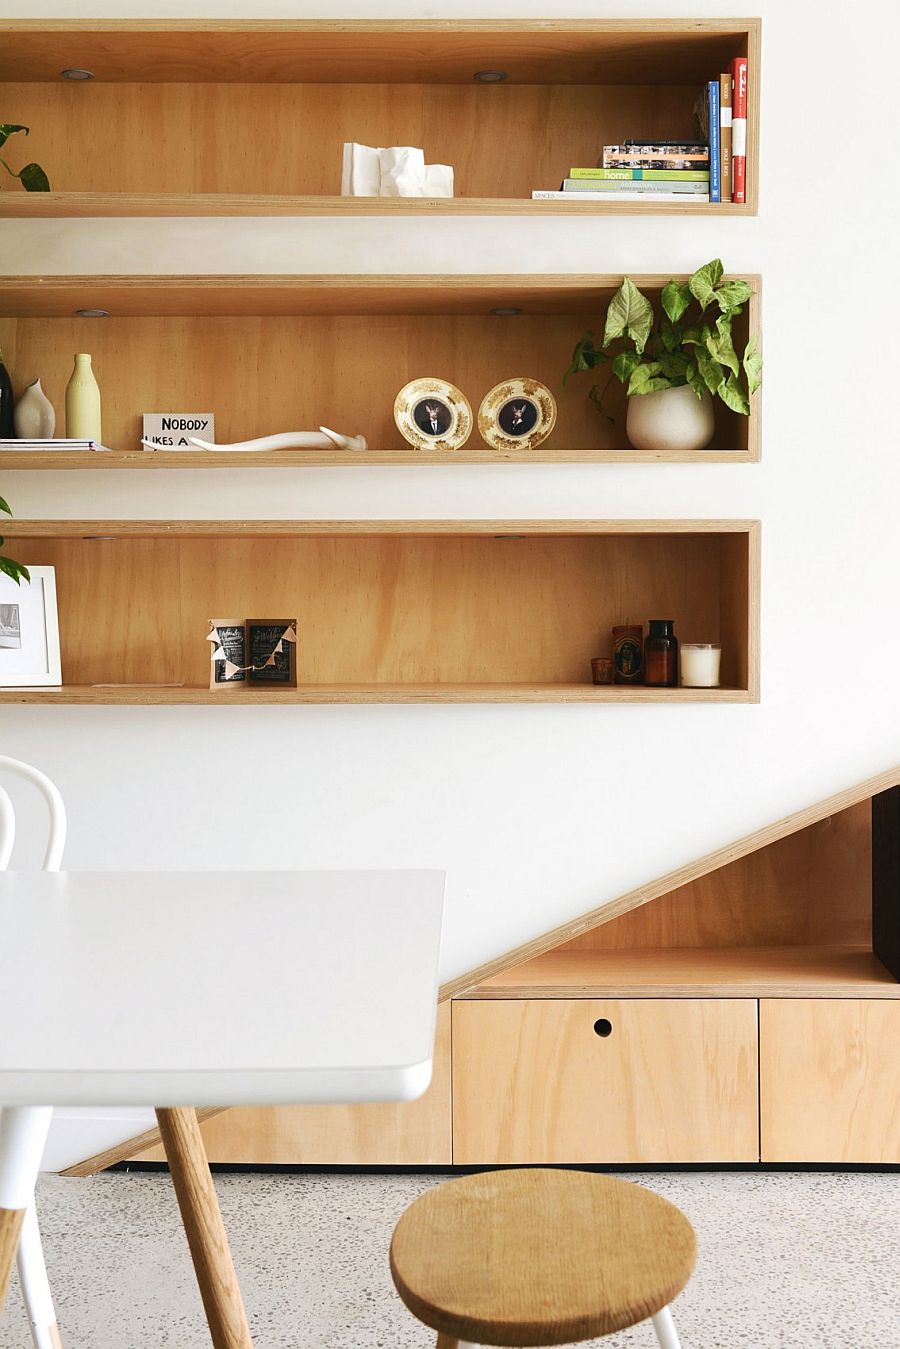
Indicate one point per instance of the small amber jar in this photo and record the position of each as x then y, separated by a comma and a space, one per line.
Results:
661, 655
602, 669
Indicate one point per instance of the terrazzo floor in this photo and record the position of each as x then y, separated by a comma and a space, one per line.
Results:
787, 1261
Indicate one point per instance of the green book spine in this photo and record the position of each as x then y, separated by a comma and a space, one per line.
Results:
631, 175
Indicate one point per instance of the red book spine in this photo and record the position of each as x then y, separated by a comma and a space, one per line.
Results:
739, 130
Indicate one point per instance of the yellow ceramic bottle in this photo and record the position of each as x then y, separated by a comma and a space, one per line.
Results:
83, 402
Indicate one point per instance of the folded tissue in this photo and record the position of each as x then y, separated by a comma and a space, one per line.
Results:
399, 171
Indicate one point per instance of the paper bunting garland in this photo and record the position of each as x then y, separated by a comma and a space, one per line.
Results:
231, 669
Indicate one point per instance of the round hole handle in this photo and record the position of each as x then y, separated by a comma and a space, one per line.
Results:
602, 1027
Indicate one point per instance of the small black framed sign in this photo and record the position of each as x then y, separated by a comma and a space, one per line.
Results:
271, 652
227, 663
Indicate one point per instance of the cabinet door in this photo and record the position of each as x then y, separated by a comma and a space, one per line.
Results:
406, 1133
830, 1080
649, 1080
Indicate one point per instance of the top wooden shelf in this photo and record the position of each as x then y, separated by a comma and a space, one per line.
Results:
402, 51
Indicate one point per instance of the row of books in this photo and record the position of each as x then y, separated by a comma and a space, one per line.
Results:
711, 169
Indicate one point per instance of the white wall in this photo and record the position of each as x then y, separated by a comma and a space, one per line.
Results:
538, 813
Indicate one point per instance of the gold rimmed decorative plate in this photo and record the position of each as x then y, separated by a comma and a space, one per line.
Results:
433, 415
518, 414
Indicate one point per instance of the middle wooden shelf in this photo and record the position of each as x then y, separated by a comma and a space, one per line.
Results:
269, 354
392, 611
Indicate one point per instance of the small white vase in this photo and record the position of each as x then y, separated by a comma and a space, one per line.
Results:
670, 419
83, 402
33, 415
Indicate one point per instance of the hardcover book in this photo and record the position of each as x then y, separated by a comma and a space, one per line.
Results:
640, 175
739, 129
725, 135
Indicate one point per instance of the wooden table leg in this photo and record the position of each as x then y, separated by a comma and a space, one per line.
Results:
205, 1230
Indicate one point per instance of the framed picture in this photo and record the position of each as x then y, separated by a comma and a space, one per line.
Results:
29, 631
433, 415
518, 414
271, 652
226, 654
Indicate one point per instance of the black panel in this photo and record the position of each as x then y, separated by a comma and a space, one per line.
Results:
886, 879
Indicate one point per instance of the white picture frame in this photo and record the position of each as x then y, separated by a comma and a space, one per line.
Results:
29, 631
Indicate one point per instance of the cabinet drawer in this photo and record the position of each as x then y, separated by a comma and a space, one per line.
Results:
672, 1080
830, 1080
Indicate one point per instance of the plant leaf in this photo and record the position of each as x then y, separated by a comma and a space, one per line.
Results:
4, 507
629, 313
585, 357
33, 178
752, 365
733, 396
711, 372
721, 348
8, 129
704, 281
675, 366
675, 298
646, 378
15, 570
693, 335
624, 365
695, 381
732, 294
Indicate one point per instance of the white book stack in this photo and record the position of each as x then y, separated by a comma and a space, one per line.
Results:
18, 445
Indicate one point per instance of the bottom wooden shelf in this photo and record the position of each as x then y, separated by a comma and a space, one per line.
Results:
691, 972
169, 695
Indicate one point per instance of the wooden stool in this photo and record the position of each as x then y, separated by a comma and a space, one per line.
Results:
540, 1257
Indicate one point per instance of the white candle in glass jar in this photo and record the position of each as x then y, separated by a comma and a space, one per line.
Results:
699, 665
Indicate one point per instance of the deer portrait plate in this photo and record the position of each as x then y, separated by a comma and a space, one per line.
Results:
518, 414
433, 415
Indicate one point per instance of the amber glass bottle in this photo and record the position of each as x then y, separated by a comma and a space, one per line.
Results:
661, 654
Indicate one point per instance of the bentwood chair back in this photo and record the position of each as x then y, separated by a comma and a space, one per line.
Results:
26, 1130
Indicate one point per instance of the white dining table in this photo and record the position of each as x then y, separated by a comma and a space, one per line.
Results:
184, 989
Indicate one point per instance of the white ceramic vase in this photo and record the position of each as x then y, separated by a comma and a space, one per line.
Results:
33, 416
83, 402
670, 419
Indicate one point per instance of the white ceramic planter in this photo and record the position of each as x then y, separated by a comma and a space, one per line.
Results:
670, 419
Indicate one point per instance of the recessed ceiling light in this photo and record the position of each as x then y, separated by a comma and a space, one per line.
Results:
77, 73
92, 313
490, 76
505, 311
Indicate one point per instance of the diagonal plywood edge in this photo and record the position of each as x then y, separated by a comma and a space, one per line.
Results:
644, 894
120, 1152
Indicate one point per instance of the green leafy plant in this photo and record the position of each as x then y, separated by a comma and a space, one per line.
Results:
32, 177
10, 568
690, 342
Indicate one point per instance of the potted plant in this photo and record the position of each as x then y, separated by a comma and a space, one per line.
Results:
675, 363
10, 568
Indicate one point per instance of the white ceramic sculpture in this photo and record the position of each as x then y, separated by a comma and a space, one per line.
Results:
398, 171
323, 439
33, 415
670, 419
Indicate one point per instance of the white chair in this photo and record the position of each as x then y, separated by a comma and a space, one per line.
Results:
23, 1131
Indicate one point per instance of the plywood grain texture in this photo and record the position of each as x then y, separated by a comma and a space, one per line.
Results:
674, 1081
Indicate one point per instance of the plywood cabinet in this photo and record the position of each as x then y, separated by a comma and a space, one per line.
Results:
583, 1080
830, 1080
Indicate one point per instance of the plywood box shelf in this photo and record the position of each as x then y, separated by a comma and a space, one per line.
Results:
391, 611
301, 88
272, 353
696, 972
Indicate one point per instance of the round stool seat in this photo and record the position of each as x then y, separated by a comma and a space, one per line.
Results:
539, 1257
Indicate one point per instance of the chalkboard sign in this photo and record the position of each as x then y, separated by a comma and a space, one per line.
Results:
227, 652
272, 651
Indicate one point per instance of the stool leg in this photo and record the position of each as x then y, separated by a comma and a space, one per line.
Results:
665, 1329
23, 1133
205, 1230
36, 1286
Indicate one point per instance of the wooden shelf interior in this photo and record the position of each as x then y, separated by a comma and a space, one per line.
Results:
264, 107
793, 919
272, 354
485, 607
